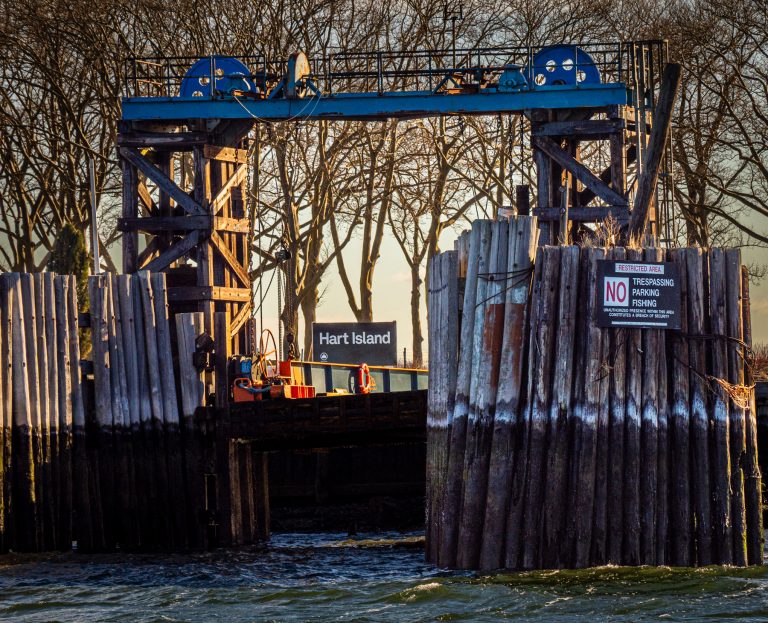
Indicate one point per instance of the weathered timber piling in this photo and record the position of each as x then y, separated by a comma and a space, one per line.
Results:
681, 513
192, 389
443, 286
554, 516
753, 481
142, 485
112, 477
489, 320
522, 245
450, 508
611, 443
39, 398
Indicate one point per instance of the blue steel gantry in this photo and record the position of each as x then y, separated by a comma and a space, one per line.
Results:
571, 94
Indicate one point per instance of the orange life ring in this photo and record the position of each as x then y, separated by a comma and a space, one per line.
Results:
364, 379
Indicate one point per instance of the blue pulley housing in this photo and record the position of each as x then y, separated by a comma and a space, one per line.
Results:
230, 75
567, 65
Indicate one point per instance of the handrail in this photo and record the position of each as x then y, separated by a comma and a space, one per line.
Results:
381, 71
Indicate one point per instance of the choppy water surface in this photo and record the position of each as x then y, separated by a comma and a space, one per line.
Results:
329, 578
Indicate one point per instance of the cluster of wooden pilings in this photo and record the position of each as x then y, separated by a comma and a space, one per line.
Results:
140, 491
554, 443
41, 408
123, 457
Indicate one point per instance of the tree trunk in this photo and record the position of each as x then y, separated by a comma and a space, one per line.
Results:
309, 314
418, 338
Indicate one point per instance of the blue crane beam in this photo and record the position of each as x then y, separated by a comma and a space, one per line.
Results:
373, 106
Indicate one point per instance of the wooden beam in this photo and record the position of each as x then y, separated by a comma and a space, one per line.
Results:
202, 194
587, 195
618, 154
146, 199
163, 140
209, 293
165, 223
582, 173
585, 215
223, 194
240, 272
543, 199
240, 319
587, 129
225, 154
130, 209
564, 218
230, 225
232, 131
174, 252
646, 185
163, 181
149, 251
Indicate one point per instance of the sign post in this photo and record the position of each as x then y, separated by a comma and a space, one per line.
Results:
642, 295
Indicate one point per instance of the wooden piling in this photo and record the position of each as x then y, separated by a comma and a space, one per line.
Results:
144, 451
681, 518
25, 465
66, 399
106, 400
171, 430
541, 355
522, 248
632, 447
519, 475
474, 290
188, 327
555, 512
443, 316
697, 274
37, 403
617, 361
721, 483
227, 474
47, 341
585, 429
6, 413
487, 338
649, 437
737, 433
160, 467
602, 449
752, 476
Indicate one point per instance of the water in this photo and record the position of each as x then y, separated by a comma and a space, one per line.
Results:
373, 578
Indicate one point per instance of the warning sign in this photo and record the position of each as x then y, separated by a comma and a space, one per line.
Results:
638, 295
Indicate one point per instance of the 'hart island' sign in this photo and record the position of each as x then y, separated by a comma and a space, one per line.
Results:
374, 343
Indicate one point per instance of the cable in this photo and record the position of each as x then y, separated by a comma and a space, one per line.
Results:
315, 100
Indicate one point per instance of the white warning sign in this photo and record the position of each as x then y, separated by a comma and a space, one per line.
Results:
638, 295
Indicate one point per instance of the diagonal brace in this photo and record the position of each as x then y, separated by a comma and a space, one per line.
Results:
174, 252
240, 272
578, 170
223, 194
165, 183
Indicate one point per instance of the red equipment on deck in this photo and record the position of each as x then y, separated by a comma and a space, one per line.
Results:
265, 377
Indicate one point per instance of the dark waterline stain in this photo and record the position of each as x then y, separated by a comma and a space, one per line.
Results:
383, 577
